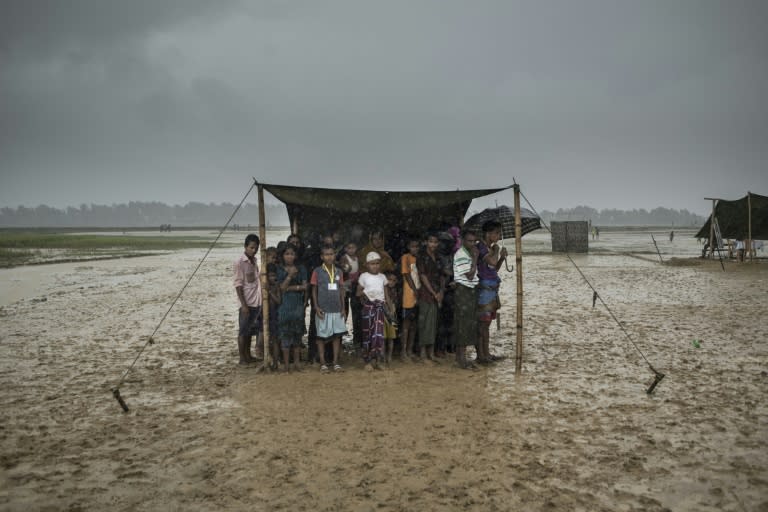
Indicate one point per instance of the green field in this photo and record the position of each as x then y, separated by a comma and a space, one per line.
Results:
39, 247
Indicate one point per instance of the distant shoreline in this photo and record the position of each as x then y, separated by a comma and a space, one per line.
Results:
131, 229
254, 228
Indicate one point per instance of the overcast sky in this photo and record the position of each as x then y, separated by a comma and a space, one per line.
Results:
611, 104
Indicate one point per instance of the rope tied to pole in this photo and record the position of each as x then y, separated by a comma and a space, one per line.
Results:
151, 340
658, 376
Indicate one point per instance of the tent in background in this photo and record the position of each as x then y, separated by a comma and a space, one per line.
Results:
733, 218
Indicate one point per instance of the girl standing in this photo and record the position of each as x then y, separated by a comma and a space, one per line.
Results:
292, 279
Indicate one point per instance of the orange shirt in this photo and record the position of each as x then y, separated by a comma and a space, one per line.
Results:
407, 262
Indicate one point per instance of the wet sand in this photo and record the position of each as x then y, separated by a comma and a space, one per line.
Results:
575, 431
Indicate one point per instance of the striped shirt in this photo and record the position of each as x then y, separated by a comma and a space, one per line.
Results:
462, 263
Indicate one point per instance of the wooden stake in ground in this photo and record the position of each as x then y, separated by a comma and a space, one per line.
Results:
264, 281
519, 268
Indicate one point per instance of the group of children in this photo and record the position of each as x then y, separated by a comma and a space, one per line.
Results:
381, 296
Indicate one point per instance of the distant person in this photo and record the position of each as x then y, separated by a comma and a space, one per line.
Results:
292, 278
328, 298
248, 289
490, 259
597, 232
671, 235
465, 298
740, 250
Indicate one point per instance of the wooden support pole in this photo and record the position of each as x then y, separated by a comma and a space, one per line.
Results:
264, 280
750, 248
519, 269
712, 231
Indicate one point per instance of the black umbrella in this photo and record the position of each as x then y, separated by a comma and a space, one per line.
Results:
506, 216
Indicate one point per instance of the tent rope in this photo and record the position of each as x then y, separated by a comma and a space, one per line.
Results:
151, 340
596, 296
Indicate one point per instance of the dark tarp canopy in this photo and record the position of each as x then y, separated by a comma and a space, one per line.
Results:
316, 211
733, 218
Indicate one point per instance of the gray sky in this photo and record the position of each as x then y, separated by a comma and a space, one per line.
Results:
611, 104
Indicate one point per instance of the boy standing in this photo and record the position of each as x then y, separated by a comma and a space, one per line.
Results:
410, 289
248, 288
465, 297
390, 316
430, 297
328, 300
490, 258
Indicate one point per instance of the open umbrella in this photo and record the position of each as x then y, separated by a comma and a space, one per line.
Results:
506, 216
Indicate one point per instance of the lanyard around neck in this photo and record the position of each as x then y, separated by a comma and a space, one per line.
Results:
331, 273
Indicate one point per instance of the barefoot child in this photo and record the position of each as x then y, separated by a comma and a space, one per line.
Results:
430, 296
465, 297
248, 289
275, 297
372, 291
292, 279
350, 264
390, 316
489, 260
328, 300
410, 290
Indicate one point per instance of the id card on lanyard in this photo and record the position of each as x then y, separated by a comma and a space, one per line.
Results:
332, 285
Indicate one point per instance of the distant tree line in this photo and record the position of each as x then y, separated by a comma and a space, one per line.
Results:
612, 217
141, 214
155, 214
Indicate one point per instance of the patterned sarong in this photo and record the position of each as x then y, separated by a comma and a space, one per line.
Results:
373, 330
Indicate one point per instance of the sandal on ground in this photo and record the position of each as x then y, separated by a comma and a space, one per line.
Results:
323, 369
338, 368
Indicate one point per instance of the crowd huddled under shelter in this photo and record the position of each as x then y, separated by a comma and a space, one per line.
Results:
427, 295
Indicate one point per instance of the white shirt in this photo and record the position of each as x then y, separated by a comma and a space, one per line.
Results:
373, 285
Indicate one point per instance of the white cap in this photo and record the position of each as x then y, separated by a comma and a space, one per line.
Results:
373, 255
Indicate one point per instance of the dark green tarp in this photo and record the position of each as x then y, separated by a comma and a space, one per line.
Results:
733, 218
356, 213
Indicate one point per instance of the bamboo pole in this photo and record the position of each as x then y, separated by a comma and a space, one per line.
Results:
519, 268
712, 231
749, 216
264, 280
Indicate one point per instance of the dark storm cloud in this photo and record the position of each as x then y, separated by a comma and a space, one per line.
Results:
612, 104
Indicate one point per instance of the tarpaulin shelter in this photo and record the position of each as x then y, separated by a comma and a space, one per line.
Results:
736, 218
314, 211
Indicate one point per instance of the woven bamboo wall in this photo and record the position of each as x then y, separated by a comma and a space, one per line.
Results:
570, 236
